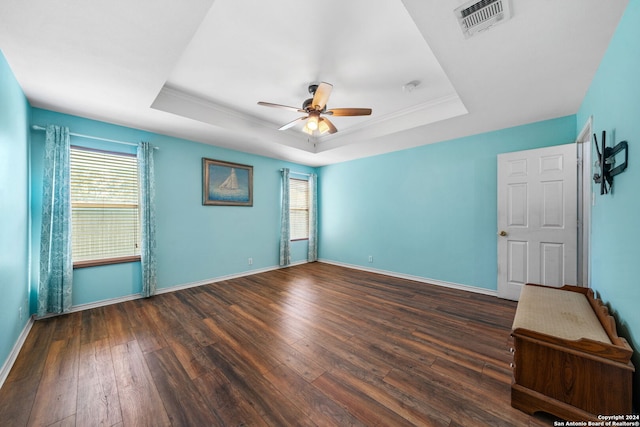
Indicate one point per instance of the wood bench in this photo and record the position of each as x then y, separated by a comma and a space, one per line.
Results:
568, 358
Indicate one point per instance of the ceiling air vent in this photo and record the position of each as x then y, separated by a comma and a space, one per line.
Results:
476, 16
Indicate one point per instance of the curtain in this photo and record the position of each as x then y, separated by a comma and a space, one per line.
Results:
147, 218
56, 264
312, 254
285, 249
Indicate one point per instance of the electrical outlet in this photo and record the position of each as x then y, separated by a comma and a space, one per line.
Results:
20, 313
250, 261
370, 258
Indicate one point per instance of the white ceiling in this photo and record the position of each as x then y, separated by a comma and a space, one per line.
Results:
197, 69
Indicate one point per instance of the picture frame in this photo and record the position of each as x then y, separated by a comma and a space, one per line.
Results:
226, 183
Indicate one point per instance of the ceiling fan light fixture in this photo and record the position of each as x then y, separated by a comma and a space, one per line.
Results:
316, 109
312, 123
306, 130
323, 127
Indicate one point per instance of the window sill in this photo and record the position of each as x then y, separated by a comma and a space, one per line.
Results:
106, 261
297, 240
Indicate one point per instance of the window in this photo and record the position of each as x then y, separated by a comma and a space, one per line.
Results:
104, 206
298, 209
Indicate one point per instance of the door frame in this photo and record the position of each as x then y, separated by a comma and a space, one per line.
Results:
585, 201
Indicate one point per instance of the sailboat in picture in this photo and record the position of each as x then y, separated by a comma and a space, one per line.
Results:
231, 183
228, 184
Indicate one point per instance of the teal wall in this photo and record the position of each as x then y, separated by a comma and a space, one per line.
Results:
14, 210
195, 242
429, 211
613, 100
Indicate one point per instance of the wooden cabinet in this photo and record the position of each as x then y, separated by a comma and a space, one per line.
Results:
568, 359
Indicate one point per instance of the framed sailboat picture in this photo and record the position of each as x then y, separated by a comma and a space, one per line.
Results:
226, 184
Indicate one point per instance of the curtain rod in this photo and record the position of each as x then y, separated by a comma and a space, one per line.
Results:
97, 138
297, 173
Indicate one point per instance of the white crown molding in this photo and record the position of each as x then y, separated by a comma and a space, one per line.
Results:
419, 115
425, 110
175, 101
178, 102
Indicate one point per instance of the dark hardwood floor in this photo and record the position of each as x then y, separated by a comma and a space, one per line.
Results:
310, 345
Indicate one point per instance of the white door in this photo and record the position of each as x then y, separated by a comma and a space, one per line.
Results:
537, 218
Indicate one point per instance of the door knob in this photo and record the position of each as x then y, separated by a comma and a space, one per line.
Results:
502, 233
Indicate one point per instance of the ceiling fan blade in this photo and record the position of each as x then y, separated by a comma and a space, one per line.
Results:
285, 107
325, 126
321, 96
338, 112
292, 123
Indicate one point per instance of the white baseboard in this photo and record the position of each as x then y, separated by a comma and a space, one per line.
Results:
8, 364
102, 303
214, 280
444, 284
169, 289
23, 335
6, 368
222, 278
90, 305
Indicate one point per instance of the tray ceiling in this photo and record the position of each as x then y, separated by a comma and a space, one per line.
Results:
196, 70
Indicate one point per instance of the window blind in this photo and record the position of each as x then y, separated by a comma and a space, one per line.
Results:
299, 209
104, 203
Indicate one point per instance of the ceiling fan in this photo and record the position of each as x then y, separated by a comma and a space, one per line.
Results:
315, 108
